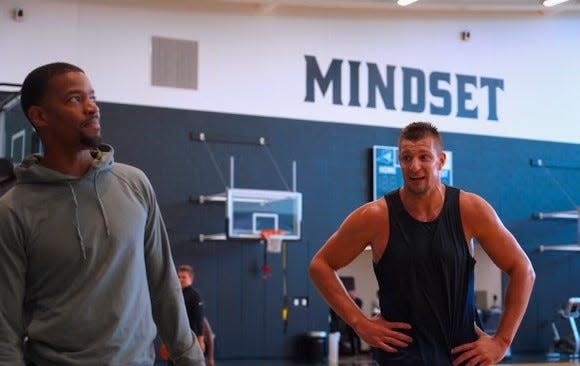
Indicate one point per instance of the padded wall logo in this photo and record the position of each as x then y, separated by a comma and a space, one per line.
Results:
438, 93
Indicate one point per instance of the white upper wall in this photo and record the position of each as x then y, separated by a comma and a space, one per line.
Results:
255, 63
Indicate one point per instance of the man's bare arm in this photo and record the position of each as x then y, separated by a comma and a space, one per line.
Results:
362, 227
481, 222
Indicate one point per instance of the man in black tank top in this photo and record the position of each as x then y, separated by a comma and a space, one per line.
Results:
421, 238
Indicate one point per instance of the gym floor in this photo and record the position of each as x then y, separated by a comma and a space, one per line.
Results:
365, 360
358, 363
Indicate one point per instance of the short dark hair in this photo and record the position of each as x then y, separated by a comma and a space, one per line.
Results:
36, 82
419, 130
186, 268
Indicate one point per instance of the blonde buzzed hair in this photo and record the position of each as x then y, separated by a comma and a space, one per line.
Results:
419, 130
186, 268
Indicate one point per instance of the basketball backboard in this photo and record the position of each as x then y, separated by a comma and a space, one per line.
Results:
249, 211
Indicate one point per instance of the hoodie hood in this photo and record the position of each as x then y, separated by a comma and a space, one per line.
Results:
30, 171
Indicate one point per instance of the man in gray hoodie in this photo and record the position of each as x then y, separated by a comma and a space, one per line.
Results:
86, 273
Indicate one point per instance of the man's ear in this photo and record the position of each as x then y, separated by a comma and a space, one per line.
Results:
442, 159
37, 116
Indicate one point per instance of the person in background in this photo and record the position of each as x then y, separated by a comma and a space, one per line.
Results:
193, 302
421, 237
195, 312
7, 177
86, 271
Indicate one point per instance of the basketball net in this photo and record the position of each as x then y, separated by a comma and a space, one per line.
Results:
274, 239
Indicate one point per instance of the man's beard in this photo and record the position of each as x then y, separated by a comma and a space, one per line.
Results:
91, 141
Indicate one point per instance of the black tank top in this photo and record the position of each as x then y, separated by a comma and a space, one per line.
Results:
426, 279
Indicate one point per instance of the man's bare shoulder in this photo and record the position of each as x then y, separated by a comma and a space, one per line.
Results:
471, 201
371, 218
373, 211
367, 217
475, 210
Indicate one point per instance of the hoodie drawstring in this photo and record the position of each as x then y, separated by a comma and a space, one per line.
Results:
77, 223
102, 207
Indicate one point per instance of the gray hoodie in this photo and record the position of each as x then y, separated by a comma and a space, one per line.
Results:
86, 270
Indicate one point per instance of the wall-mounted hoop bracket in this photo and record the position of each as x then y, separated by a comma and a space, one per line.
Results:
248, 211
561, 215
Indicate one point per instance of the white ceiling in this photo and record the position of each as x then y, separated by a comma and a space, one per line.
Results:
372, 7
467, 6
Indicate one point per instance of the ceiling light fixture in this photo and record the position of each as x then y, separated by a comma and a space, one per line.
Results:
405, 2
549, 3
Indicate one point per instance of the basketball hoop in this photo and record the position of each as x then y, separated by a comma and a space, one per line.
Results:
273, 238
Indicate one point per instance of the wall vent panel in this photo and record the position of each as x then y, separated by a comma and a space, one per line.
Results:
174, 63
